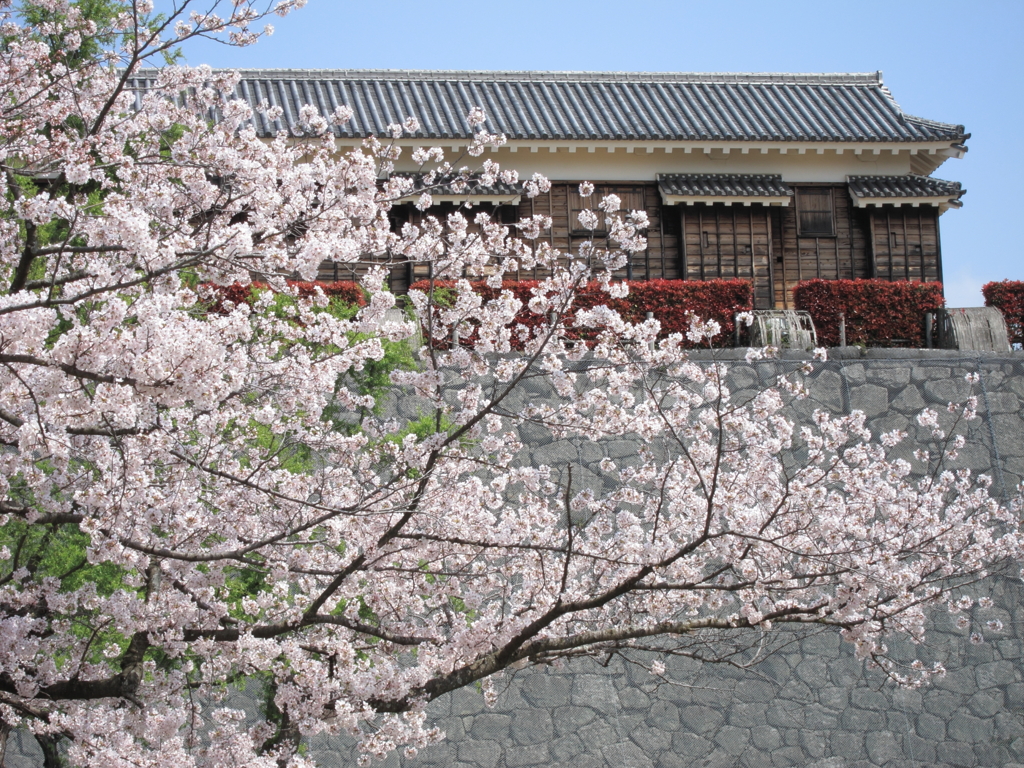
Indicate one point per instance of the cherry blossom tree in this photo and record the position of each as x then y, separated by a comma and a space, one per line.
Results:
193, 499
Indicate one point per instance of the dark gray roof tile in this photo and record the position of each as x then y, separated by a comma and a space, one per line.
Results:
595, 106
465, 186
903, 186
723, 185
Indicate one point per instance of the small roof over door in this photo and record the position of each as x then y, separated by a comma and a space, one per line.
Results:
463, 188
727, 188
905, 190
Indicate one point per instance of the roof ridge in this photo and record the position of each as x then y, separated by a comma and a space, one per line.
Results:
834, 78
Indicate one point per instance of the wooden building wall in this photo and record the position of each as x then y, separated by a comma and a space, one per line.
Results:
763, 244
906, 243
728, 242
841, 256
563, 204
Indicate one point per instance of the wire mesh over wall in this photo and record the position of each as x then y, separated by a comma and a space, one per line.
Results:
807, 703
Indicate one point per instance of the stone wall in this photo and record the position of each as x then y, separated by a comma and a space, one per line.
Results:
810, 703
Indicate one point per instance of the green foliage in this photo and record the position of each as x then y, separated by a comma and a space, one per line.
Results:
292, 456
57, 552
240, 583
103, 13
423, 427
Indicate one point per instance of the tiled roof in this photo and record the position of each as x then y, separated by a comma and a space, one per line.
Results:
591, 106
903, 186
443, 186
722, 185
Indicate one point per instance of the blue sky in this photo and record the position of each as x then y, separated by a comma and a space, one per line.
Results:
951, 61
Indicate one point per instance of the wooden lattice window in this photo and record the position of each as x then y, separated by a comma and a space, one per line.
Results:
814, 212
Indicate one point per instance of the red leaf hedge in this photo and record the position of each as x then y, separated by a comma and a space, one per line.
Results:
877, 311
1008, 297
237, 293
671, 301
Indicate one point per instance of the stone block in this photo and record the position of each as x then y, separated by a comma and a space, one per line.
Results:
544, 690
747, 715
1010, 649
824, 644
510, 700
571, 719
652, 740
826, 391
848, 745
1000, 402
918, 750
956, 754
596, 692
960, 681
821, 718
672, 760
784, 714
467, 701
742, 377
633, 698
907, 700
931, 727
732, 740
786, 756
986, 703
566, 749
663, 715
700, 719
691, 745
556, 454
898, 721
908, 401
626, 753
994, 755
776, 668
854, 373
627, 723
882, 747
813, 671
864, 698
1009, 429
996, 673
1008, 726
437, 755
928, 373
862, 720
597, 735
591, 452
814, 743
829, 762
755, 691
491, 726
532, 726
869, 398
946, 391
833, 697
890, 377
974, 730
765, 737
484, 754
616, 449
534, 754
846, 671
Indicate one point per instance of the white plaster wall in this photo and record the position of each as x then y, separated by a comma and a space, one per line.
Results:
602, 165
